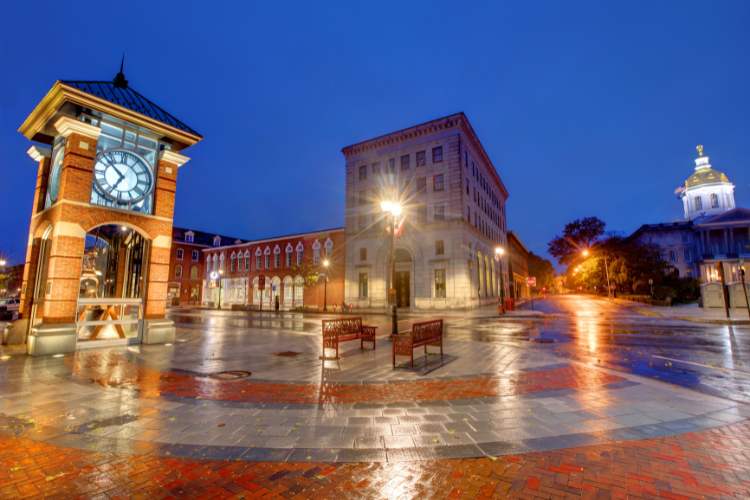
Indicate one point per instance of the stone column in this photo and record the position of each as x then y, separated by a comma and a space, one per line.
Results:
726, 241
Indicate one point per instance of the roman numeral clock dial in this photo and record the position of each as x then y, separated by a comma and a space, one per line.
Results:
123, 176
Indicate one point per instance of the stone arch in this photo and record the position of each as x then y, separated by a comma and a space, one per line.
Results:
103, 218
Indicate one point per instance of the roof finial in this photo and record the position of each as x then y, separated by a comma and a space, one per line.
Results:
700, 150
120, 81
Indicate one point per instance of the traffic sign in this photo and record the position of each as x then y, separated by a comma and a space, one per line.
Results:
261, 282
531, 281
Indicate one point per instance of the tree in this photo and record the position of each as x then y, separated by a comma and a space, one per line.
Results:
309, 273
542, 270
5, 277
577, 236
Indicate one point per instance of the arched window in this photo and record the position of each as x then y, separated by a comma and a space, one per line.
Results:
194, 273
234, 261
289, 251
215, 259
698, 203
316, 252
221, 262
329, 249
247, 260
268, 257
258, 253
672, 256
714, 200
178, 271
299, 253
276, 256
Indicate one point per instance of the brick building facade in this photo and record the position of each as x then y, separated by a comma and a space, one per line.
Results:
101, 221
519, 267
294, 265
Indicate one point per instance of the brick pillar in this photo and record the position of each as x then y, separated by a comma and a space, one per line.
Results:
158, 274
64, 274
43, 157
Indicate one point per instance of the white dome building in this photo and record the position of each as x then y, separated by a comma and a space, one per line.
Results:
707, 192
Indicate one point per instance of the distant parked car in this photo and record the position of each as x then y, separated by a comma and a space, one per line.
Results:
9, 306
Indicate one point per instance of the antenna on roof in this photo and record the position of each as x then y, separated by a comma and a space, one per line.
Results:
120, 81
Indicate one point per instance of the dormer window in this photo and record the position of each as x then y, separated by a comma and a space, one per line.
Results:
189, 236
217, 241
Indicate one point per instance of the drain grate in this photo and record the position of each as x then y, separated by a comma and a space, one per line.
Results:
230, 375
541, 340
287, 354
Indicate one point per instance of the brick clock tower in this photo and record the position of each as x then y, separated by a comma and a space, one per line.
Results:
98, 252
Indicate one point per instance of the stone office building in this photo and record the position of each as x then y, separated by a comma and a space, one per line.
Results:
454, 218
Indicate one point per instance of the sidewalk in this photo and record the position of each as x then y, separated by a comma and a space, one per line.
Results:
688, 312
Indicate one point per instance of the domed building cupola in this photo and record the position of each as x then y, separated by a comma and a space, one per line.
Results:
707, 192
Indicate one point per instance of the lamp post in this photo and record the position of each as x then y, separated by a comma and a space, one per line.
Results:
221, 273
606, 269
325, 287
498, 256
392, 211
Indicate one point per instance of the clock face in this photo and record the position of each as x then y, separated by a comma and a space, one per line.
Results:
123, 175
54, 183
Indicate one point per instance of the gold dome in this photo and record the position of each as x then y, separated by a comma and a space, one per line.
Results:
705, 176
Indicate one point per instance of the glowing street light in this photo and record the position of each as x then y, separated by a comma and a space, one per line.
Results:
221, 273
498, 256
392, 211
325, 287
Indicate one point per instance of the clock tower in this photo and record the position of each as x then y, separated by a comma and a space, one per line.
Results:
99, 242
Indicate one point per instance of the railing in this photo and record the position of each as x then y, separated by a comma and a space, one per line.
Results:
108, 319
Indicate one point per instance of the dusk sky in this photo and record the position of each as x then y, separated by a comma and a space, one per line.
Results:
585, 108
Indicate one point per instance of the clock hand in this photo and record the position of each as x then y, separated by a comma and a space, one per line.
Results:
120, 180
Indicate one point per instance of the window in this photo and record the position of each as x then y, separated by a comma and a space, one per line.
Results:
195, 255
363, 172
467, 186
299, 257
670, 240
421, 185
363, 285
421, 160
217, 241
234, 260
363, 197
405, 162
686, 238
247, 261
316, 255
714, 201
362, 254
221, 262
437, 154
376, 169
189, 237
686, 256
194, 273
276, 260
655, 240
257, 262
178, 271
392, 166
439, 211
468, 214
268, 261
689, 273
422, 213
698, 203
466, 159
672, 256
439, 247
363, 222
440, 283
180, 252
289, 259
437, 182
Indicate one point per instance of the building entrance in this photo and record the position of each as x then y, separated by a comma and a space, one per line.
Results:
403, 287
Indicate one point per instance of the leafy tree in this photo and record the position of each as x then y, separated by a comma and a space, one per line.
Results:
5, 276
309, 273
577, 236
542, 270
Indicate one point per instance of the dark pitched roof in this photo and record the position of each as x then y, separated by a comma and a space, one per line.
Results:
734, 215
666, 226
201, 237
120, 94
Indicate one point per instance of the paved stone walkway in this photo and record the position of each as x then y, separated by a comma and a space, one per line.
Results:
710, 464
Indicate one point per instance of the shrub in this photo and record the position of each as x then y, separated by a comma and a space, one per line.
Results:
662, 292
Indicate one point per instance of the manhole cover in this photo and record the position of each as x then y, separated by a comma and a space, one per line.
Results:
287, 354
232, 375
541, 340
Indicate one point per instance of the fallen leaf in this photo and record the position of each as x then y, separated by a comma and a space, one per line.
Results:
221, 425
494, 459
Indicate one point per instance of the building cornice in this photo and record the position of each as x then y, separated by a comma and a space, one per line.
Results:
67, 126
61, 93
173, 157
269, 240
37, 153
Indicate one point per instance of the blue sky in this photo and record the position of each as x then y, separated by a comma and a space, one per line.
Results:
585, 108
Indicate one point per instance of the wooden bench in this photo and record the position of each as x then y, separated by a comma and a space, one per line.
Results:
427, 333
341, 330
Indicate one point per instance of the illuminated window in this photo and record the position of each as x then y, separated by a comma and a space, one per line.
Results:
440, 283
194, 272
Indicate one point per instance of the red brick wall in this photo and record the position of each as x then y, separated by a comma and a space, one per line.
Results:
186, 263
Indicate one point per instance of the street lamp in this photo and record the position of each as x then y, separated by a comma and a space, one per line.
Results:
393, 212
606, 269
221, 273
498, 256
325, 287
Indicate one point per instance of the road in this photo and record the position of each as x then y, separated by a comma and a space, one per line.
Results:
710, 358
